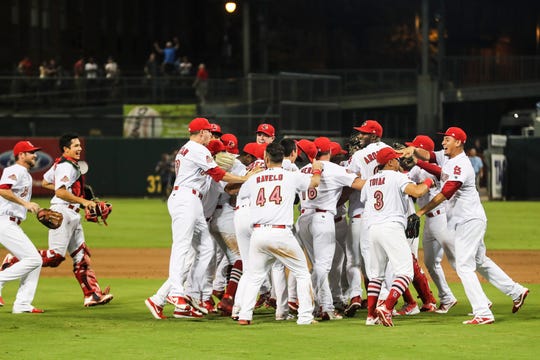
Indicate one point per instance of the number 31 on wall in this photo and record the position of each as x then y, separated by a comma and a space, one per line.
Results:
154, 184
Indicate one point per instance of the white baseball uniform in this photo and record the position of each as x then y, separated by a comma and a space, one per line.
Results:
363, 163
17, 178
271, 193
66, 173
316, 228
466, 216
437, 240
186, 211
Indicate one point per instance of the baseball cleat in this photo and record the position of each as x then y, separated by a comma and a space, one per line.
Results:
444, 308
385, 315
209, 305
226, 305
176, 300
95, 299
519, 302
155, 310
354, 305
33, 310
285, 317
330, 315
1, 301
244, 322
293, 307
199, 306
311, 322
370, 321
479, 320
429, 307
408, 309
189, 313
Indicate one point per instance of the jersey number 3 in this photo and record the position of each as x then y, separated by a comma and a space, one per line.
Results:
275, 196
379, 203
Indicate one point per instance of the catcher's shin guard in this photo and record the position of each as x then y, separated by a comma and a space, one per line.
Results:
421, 284
84, 274
51, 258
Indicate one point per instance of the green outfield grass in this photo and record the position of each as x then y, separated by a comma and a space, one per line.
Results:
141, 223
124, 329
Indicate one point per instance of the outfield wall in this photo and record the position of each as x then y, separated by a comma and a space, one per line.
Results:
125, 167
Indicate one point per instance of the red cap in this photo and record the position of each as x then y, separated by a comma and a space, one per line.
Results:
255, 149
422, 141
336, 148
371, 127
215, 146
24, 146
199, 124
266, 129
308, 148
231, 143
456, 133
386, 154
323, 144
216, 128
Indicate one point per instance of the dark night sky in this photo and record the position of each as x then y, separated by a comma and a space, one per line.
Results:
300, 35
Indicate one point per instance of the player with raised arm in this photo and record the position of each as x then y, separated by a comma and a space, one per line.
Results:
467, 219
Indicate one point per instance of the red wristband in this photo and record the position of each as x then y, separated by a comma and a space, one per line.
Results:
428, 182
317, 172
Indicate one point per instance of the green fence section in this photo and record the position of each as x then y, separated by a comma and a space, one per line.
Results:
125, 167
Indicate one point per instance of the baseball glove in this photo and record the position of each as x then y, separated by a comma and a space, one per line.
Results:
102, 210
225, 160
406, 163
413, 226
50, 218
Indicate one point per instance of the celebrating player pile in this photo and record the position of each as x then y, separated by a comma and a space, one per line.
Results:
250, 217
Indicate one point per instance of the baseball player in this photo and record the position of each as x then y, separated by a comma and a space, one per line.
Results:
363, 162
386, 198
193, 164
15, 195
272, 193
252, 154
67, 182
467, 219
436, 239
266, 134
315, 225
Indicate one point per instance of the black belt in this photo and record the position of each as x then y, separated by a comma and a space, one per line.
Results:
15, 220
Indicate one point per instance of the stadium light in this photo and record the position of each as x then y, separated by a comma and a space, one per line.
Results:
230, 6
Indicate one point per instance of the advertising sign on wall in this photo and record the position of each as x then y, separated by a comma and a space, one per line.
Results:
158, 121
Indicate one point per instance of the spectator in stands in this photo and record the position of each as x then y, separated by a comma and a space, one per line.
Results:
169, 55
185, 67
201, 84
112, 73
91, 71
